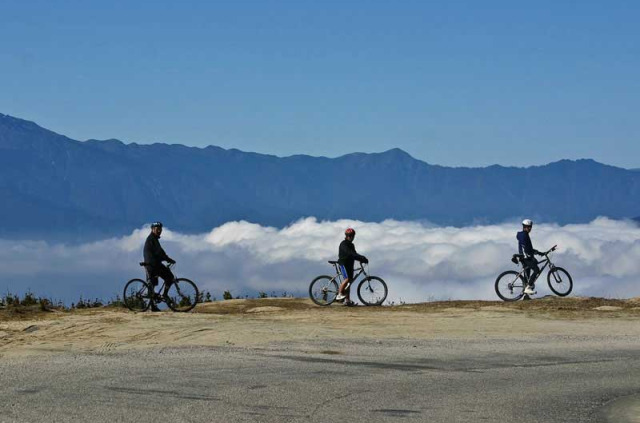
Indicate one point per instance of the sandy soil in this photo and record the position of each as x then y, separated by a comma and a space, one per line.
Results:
247, 323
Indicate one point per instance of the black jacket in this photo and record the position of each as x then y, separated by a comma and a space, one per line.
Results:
154, 255
347, 254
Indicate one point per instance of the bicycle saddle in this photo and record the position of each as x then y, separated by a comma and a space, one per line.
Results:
333, 262
517, 257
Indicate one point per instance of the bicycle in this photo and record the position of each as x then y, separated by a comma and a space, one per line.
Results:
372, 290
139, 295
510, 284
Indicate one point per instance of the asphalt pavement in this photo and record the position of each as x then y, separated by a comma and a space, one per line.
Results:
523, 379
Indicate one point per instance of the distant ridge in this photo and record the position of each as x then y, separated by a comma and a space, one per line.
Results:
58, 188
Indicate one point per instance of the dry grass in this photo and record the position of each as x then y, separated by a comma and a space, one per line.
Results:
567, 307
33, 312
550, 305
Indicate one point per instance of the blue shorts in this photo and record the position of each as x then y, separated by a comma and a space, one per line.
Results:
347, 273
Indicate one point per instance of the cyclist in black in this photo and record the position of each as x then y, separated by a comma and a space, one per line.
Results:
154, 255
347, 255
529, 262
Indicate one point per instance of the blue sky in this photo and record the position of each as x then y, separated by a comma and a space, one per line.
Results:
456, 83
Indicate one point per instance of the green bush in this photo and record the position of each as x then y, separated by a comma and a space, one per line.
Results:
115, 302
44, 304
29, 299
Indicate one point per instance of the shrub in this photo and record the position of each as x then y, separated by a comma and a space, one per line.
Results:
29, 299
44, 304
115, 302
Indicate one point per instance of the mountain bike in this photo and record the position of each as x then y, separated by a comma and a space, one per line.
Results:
510, 284
139, 295
372, 290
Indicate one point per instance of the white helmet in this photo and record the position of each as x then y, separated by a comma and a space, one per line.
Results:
527, 222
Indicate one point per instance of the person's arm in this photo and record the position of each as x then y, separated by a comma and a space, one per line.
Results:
353, 253
521, 243
533, 250
161, 253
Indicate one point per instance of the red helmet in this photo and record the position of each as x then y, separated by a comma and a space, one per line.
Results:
350, 232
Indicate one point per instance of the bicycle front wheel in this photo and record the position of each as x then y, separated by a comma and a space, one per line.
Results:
372, 291
560, 281
323, 290
136, 295
510, 286
182, 295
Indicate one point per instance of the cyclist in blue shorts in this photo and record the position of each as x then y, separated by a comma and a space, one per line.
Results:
347, 255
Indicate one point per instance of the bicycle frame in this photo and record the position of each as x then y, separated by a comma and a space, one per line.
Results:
360, 270
150, 278
547, 262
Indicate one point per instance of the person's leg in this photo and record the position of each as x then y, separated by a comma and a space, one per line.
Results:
535, 271
152, 278
343, 285
347, 284
528, 269
532, 269
165, 273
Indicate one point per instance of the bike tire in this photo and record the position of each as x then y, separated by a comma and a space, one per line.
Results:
561, 286
510, 286
372, 291
323, 290
136, 296
183, 295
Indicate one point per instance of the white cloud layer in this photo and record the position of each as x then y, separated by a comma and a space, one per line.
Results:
419, 262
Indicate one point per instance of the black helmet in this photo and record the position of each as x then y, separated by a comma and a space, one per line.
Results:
156, 225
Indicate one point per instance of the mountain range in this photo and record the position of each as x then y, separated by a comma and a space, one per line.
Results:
54, 187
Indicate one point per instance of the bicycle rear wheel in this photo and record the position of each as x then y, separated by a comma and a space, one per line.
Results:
560, 281
182, 295
510, 286
372, 290
136, 295
323, 290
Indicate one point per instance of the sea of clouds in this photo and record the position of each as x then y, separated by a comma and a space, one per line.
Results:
420, 262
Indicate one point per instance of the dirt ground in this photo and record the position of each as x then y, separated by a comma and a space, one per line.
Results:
251, 323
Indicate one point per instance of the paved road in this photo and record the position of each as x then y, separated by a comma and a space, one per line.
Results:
524, 379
